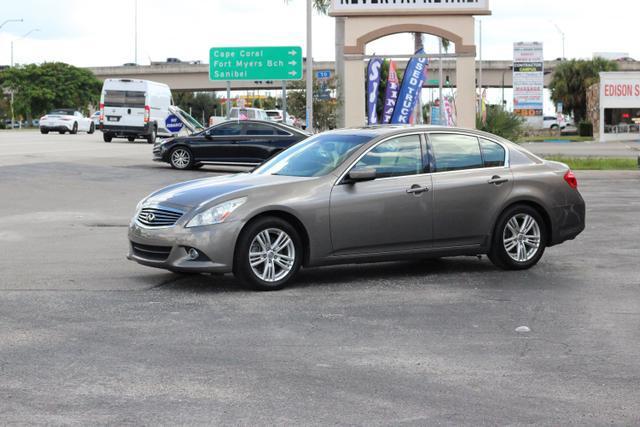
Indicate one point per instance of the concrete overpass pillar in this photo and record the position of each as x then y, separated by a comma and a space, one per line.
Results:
466, 92
354, 93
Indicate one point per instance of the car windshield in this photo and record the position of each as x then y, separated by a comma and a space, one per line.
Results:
61, 113
317, 156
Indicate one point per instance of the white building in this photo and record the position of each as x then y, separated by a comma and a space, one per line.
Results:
619, 106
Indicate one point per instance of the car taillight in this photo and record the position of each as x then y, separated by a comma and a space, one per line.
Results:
147, 113
571, 179
102, 112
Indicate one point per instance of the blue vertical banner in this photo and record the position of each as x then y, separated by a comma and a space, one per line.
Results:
391, 94
373, 84
410, 89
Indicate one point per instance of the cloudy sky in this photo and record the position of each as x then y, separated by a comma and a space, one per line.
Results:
94, 33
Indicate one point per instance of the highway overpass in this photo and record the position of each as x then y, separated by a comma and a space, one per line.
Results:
195, 77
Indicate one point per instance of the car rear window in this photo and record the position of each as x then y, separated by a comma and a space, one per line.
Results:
124, 98
456, 152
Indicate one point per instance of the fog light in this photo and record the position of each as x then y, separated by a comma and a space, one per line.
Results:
193, 254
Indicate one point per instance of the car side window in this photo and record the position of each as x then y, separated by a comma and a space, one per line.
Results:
493, 154
255, 129
396, 157
230, 129
455, 152
283, 132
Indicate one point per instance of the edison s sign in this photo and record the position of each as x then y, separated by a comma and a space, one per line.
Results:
255, 63
417, 7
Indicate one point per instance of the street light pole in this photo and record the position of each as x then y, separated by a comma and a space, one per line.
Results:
135, 32
12, 41
309, 66
10, 20
563, 39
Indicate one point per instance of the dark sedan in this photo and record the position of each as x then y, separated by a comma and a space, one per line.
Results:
236, 143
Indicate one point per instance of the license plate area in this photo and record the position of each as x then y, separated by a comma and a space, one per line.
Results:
113, 118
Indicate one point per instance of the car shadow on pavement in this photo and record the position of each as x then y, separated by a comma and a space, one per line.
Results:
455, 272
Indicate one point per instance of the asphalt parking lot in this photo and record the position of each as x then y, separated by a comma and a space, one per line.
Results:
87, 337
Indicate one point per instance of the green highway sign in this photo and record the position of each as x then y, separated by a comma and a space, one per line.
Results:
255, 63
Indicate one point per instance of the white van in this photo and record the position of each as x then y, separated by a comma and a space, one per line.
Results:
134, 109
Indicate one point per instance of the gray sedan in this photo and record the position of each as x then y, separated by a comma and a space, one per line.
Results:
363, 195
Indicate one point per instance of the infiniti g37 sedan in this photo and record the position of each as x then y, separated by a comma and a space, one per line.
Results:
363, 195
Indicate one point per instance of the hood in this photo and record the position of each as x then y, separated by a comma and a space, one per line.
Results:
192, 194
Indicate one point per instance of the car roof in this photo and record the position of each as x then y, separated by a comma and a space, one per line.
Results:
389, 130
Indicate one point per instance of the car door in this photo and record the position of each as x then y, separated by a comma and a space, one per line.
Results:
260, 141
217, 144
392, 212
471, 180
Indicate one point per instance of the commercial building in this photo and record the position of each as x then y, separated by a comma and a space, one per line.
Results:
614, 106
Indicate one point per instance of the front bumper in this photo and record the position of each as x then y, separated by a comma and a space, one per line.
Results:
168, 247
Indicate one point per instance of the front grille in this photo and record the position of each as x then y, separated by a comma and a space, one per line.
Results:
158, 217
156, 253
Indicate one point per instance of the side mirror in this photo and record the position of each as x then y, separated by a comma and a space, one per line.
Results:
361, 175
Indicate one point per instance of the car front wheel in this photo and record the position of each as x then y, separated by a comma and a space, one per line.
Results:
519, 239
74, 129
268, 254
92, 128
181, 158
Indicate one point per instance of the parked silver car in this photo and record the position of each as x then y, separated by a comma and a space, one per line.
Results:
363, 195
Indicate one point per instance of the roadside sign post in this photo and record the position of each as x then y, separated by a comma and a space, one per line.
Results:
284, 102
228, 99
255, 63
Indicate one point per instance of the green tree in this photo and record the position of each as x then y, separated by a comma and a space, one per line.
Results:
571, 80
324, 110
40, 88
502, 123
201, 105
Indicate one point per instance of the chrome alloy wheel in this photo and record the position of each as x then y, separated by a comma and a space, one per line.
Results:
180, 158
272, 255
521, 237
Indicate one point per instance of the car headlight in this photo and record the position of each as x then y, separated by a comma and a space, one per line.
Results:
216, 214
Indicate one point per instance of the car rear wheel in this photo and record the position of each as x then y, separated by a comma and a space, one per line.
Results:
107, 137
92, 128
519, 239
181, 158
44, 131
74, 130
268, 254
131, 138
151, 139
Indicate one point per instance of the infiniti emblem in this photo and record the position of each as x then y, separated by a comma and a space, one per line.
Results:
151, 217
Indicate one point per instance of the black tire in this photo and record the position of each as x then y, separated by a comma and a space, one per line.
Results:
241, 265
131, 138
44, 131
183, 153
62, 132
74, 130
499, 254
107, 137
151, 138
555, 127
92, 128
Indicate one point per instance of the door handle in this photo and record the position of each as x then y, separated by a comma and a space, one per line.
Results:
417, 190
496, 180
